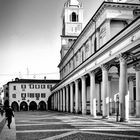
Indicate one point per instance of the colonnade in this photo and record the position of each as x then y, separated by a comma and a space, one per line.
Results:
73, 96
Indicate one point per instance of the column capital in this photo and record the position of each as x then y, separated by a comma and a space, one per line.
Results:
137, 67
105, 67
83, 77
93, 72
67, 86
76, 81
123, 57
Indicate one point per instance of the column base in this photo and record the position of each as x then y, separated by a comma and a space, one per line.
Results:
123, 120
94, 116
105, 117
137, 116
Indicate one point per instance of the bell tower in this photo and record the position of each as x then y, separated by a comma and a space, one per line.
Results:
72, 24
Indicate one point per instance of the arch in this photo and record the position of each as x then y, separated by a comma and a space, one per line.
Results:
42, 105
33, 106
15, 106
74, 17
23, 106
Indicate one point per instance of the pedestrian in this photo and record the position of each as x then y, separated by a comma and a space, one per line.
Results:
2, 111
9, 114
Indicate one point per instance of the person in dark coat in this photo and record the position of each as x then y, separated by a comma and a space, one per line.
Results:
9, 114
2, 111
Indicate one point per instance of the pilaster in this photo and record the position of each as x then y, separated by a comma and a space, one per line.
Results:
131, 95
137, 69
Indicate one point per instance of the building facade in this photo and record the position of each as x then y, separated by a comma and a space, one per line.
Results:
100, 70
28, 94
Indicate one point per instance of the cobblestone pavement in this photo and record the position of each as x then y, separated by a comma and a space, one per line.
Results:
62, 126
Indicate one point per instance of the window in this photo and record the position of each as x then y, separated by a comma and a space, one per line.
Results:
74, 17
13, 95
43, 95
37, 86
31, 95
23, 95
77, 57
7, 95
37, 95
43, 86
23, 86
49, 86
70, 64
14, 87
31, 86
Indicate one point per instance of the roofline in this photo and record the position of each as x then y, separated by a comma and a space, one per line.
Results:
34, 81
92, 19
67, 76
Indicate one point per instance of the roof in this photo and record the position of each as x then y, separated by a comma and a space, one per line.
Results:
34, 81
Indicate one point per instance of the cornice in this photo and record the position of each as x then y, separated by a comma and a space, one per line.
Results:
112, 42
93, 19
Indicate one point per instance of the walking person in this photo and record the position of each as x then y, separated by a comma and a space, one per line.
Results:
2, 111
9, 114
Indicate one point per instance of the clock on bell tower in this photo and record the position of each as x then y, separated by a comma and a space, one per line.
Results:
72, 24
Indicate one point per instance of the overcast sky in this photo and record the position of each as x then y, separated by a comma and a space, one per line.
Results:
30, 37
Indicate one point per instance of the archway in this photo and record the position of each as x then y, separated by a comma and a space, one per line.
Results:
33, 106
15, 106
42, 105
24, 106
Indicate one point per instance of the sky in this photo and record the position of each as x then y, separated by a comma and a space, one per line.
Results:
30, 40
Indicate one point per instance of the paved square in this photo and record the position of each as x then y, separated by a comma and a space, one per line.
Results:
62, 126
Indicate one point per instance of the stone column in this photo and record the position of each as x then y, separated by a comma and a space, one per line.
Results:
123, 89
110, 96
54, 101
58, 100
92, 94
61, 100
64, 100
67, 99
51, 103
137, 68
76, 96
83, 95
105, 102
131, 95
71, 98
98, 95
